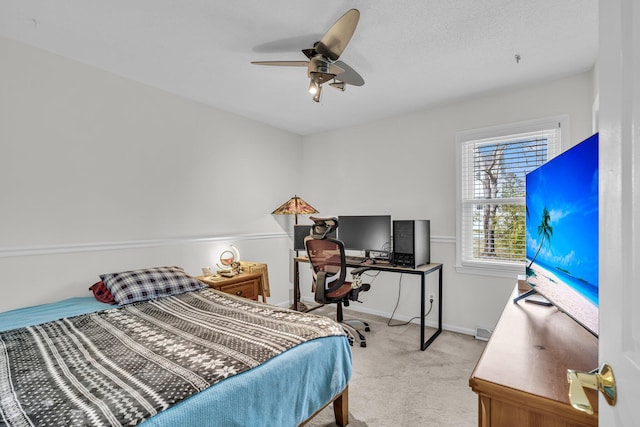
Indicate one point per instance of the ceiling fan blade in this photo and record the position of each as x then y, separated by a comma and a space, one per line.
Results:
336, 39
350, 76
282, 63
289, 44
336, 69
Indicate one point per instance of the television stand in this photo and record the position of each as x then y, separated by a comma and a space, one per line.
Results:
521, 377
532, 296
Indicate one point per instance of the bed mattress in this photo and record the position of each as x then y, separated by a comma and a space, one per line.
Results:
284, 390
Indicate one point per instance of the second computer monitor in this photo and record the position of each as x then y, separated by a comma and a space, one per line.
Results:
300, 231
365, 232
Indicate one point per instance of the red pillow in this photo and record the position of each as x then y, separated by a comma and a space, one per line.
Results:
101, 293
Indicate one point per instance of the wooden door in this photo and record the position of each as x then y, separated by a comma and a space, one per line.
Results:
619, 118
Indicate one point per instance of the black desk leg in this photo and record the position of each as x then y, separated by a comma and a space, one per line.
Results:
423, 297
297, 304
423, 344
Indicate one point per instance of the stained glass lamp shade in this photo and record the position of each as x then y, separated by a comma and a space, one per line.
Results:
295, 206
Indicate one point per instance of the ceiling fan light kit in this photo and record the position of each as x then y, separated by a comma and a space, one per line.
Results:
313, 87
323, 65
341, 86
316, 97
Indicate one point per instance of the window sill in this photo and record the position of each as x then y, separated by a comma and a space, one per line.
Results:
509, 271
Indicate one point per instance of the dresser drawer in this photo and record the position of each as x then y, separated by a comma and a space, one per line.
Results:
246, 284
248, 289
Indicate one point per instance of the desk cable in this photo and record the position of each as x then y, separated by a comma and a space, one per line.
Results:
373, 278
398, 302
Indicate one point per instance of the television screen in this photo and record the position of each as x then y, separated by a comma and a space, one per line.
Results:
562, 232
365, 232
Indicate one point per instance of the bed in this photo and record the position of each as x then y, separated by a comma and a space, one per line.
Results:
193, 357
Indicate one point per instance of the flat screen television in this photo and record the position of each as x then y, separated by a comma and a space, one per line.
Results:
562, 232
365, 233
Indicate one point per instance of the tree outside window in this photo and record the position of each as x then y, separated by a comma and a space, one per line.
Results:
492, 213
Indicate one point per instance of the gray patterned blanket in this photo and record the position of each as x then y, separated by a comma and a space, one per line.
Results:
123, 365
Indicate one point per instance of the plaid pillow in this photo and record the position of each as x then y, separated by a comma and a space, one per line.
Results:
140, 285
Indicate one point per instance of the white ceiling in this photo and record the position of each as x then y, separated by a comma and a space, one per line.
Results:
413, 54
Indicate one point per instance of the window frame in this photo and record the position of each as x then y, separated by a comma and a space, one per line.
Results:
489, 267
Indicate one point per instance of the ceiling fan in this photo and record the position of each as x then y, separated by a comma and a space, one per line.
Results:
323, 65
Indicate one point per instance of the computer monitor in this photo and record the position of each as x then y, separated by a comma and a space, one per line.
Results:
365, 233
300, 231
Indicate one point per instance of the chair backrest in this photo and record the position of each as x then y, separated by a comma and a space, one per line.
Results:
327, 255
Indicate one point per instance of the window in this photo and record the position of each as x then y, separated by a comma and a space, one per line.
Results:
492, 164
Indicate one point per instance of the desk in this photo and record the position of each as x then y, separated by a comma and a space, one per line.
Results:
422, 270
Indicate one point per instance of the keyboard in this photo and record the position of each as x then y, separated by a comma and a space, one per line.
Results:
360, 260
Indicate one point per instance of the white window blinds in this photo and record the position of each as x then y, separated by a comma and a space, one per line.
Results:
492, 205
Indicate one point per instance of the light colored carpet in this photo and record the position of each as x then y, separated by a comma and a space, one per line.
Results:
396, 384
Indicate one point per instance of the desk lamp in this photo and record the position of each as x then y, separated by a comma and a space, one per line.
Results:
295, 206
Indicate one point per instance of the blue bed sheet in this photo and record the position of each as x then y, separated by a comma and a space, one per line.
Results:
284, 391
43, 313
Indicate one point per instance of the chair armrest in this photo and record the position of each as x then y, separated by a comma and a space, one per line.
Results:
359, 270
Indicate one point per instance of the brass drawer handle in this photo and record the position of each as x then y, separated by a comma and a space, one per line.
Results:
239, 293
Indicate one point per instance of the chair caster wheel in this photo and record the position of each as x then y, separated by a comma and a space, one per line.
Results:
363, 344
367, 329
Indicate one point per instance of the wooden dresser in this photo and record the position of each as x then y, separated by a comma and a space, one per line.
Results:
247, 285
521, 377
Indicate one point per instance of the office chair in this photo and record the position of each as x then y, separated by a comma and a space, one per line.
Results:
329, 271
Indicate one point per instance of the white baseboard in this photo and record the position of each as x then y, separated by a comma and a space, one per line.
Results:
430, 323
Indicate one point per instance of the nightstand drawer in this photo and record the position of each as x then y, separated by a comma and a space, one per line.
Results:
246, 284
249, 289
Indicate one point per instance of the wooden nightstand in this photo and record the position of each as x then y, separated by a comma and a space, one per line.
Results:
247, 284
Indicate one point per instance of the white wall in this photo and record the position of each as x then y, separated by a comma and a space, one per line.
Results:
405, 166
87, 157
